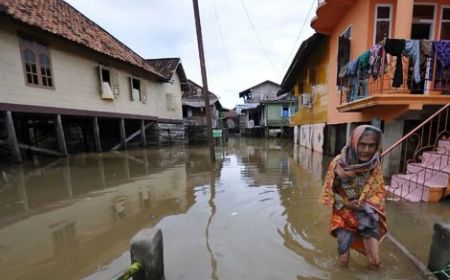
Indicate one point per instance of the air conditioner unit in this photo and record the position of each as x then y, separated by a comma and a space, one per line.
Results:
306, 100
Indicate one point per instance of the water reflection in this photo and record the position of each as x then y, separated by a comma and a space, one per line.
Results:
74, 215
254, 215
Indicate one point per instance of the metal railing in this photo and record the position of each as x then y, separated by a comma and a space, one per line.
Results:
425, 137
433, 77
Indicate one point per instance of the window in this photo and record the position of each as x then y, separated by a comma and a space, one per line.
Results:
423, 22
382, 22
135, 87
105, 83
285, 111
343, 50
36, 63
445, 24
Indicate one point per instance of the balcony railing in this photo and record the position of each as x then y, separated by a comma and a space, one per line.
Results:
433, 78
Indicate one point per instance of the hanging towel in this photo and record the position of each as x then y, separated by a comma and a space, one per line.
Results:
395, 47
343, 71
426, 53
354, 83
442, 49
363, 65
413, 52
375, 61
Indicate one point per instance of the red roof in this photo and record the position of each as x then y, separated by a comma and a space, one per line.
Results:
60, 18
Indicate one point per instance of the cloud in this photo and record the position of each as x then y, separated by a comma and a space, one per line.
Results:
235, 60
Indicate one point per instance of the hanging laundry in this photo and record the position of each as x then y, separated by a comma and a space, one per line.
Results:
395, 47
343, 72
354, 81
375, 61
426, 53
442, 49
363, 65
413, 52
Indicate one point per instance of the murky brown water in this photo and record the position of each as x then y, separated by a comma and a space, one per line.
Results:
255, 216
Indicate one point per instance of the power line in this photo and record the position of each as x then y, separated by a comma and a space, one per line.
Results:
259, 40
221, 37
299, 34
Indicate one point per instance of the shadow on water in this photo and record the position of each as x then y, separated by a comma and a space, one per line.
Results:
254, 215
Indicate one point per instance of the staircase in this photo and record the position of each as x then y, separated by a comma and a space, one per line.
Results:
426, 180
426, 172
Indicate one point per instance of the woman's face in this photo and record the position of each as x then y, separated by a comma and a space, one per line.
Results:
367, 146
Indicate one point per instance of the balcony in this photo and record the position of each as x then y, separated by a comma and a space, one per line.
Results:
379, 94
328, 13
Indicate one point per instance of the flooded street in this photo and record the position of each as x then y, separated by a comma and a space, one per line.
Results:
255, 216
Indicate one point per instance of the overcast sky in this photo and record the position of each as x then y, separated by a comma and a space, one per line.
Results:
235, 60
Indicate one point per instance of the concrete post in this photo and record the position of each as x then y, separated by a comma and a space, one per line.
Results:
392, 132
123, 135
12, 138
60, 135
439, 257
147, 249
97, 141
143, 136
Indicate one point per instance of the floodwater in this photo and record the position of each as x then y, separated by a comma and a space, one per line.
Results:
253, 216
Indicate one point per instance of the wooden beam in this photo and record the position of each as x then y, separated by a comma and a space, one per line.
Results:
36, 149
123, 135
12, 138
60, 136
131, 137
97, 140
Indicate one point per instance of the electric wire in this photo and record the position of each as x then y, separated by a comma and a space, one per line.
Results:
221, 37
259, 39
299, 34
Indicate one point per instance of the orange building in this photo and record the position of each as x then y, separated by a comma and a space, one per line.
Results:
396, 101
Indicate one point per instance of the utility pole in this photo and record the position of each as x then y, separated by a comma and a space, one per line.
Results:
205, 91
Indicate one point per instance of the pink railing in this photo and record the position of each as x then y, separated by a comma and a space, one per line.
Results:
425, 137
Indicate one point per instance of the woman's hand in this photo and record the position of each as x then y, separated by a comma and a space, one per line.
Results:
353, 205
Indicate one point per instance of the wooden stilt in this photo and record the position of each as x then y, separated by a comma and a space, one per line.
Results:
97, 140
123, 136
60, 135
12, 138
131, 137
143, 137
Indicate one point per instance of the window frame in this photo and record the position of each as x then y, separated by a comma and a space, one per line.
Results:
37, 49
131, 82
442, 20
376, 20
431, 21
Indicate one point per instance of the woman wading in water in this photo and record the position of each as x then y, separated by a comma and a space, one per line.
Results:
354, 188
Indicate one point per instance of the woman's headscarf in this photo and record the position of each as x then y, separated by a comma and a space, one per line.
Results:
349, 165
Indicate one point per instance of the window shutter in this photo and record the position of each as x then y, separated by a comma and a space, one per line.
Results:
143, 92
114, 82
100, 80
130, 83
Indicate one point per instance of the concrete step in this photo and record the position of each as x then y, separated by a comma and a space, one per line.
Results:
434, 157
413, 188
433, 174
